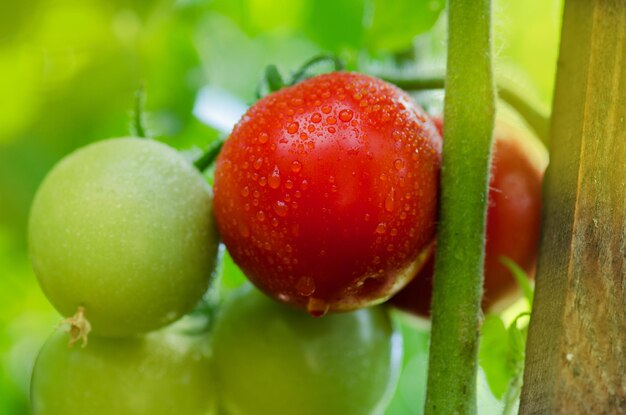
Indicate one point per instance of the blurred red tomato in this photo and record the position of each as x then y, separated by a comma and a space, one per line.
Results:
513, 223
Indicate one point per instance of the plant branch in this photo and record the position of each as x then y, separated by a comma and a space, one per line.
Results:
210, 154
469, 110
536, 118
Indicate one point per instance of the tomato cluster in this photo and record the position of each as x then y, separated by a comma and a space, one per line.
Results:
123, 242
325, 196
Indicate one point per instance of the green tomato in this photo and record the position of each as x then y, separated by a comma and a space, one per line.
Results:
271, 359
162, 373
123, 228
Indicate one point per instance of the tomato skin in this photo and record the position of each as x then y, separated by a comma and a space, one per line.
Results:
271, 359
326, 192
162, 373
123, 228
513, 224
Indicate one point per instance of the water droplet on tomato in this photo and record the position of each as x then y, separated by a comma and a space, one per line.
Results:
317, 117
317, 307
326, 109
305, 286
381, 228
296, 166
263, 138
245, 191
258, 163
293, 128
274, 179
346, 115
331, 120
390, 201
260, 215
281, 208
244, 230
398, 164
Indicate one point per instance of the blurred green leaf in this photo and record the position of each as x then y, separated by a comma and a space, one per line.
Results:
394, 24
494, 354
521, 277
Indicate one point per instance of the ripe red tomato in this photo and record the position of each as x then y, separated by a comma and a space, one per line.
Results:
326, 191
513, 223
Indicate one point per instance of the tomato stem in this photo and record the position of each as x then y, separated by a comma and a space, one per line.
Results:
138, 129
210, 155
301, 74
536, 118
469, 111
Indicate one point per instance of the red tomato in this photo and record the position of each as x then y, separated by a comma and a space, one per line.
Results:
326, 192
513, 224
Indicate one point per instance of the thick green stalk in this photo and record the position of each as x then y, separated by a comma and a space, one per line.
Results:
469, 117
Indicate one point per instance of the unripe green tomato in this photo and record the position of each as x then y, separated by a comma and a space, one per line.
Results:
270, 359
158, 374
123, 228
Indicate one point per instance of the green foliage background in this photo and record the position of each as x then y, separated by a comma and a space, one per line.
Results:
69, 70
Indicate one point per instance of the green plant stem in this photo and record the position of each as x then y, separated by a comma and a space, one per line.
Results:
210, 154
139, 130
301, 74
537, 119
469, 109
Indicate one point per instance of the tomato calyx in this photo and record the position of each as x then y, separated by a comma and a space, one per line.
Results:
79, 327
273, 80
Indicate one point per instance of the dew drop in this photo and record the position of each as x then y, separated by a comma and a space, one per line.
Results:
304, 185
332, 130
390, 201
258, 163
394, 232
295, 230
381, 228
275, 222
245, 191
289, 184
274, 180
244, 230
293, 128
263, 138
317, 117
345, 115
317, 307
260, 215
398, 164
331, 120
326, 109
263, 181
296, 166
310, 128
305, 286
281, 208
366, 218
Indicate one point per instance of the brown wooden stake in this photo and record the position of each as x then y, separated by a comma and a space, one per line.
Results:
576, 352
